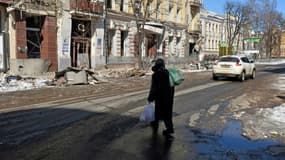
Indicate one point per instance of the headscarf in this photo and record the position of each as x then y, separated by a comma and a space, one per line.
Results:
159, 65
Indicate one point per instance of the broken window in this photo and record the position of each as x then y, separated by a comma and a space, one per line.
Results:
34, 38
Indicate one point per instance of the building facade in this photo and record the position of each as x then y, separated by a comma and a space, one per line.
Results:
80, 33
282, 46
52, 35
171, 29
215, 36
213, 33
32, 31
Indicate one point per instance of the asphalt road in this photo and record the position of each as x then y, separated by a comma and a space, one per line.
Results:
109, 128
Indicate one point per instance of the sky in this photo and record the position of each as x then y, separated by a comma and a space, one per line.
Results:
218, 5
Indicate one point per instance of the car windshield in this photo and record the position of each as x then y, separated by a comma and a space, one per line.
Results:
228, 59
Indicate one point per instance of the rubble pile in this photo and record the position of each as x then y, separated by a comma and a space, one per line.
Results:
68, 76
135, 73
127, 73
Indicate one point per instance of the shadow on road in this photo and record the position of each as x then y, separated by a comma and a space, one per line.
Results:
159, 149
275, 70
79, 134
62, 133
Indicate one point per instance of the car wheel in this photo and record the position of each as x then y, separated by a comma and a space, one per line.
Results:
242, 76
253, 74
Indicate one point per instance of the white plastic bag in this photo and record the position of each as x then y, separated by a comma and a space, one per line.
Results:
148, 113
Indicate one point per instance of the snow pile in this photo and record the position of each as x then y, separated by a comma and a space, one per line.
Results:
266, 123
17, 83
270, 61
275, 115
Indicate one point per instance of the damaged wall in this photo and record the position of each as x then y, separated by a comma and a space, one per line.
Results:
49, 46
64, 35
98, 43
33, 34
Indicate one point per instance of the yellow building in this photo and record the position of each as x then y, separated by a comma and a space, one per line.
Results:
171, 28
282, 46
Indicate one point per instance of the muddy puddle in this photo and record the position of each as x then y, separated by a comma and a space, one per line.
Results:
232, 145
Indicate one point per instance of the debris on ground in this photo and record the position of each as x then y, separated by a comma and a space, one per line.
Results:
77, 76
9, 83
68, 76
123, 73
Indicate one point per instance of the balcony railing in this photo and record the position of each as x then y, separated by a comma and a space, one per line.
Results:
196, 3
87, 6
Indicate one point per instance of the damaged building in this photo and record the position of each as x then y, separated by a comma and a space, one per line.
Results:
80, 34
171, 29
52, 35
32, 32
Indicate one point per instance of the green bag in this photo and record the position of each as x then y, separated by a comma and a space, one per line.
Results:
175, 76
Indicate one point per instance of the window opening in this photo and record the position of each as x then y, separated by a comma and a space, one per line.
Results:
34, 37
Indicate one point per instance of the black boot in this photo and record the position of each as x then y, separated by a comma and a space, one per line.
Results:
168, 134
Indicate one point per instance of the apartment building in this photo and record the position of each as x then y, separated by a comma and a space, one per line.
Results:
80, 33
171, 28
213, 33
32, 31
51, 35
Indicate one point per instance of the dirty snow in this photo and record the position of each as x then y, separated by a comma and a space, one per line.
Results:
266, 123
19, 85
270, 61
276, 114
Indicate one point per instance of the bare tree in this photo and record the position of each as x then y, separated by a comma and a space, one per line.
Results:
267, 20
140, 9
235, 19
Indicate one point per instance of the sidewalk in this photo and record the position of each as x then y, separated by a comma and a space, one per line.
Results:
113, 86
269, 61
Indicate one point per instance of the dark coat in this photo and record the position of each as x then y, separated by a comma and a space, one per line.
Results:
161, 93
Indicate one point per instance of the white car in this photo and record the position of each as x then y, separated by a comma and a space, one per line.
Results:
234, 66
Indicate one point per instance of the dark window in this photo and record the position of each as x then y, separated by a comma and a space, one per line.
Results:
244, 59
109, 3
34, 36
228, 59
122, 5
